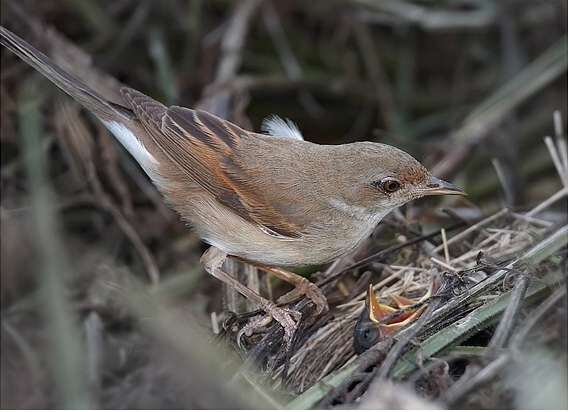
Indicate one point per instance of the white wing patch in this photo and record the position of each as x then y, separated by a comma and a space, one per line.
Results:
278, 127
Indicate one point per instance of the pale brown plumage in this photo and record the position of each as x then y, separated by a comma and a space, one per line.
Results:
273, 200
260, 178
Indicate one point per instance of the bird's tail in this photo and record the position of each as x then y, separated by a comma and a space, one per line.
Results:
71, 85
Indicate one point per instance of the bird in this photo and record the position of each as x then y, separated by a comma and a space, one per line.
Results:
272, 200
377, 320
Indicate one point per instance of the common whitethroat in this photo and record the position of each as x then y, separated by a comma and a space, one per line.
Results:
378, 320
267, 199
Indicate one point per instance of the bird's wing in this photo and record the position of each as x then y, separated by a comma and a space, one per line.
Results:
203, 147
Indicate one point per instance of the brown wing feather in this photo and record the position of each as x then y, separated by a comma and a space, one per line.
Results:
201, 145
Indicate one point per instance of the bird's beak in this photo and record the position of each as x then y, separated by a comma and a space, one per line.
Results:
436, 186
377, 311
372, 325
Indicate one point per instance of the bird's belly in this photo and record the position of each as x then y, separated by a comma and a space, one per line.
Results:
221, 227
252, 244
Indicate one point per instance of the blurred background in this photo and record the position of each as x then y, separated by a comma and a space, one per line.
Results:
89, 250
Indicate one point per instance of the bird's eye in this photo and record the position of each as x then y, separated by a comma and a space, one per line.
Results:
389, 185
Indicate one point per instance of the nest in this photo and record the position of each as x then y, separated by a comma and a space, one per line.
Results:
103, 335
495, 271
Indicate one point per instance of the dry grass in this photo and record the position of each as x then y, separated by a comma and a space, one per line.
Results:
104, 303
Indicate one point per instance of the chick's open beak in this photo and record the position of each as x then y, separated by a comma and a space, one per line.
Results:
371, 328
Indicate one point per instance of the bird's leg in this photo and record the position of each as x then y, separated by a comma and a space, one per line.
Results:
212, 260
302, 287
